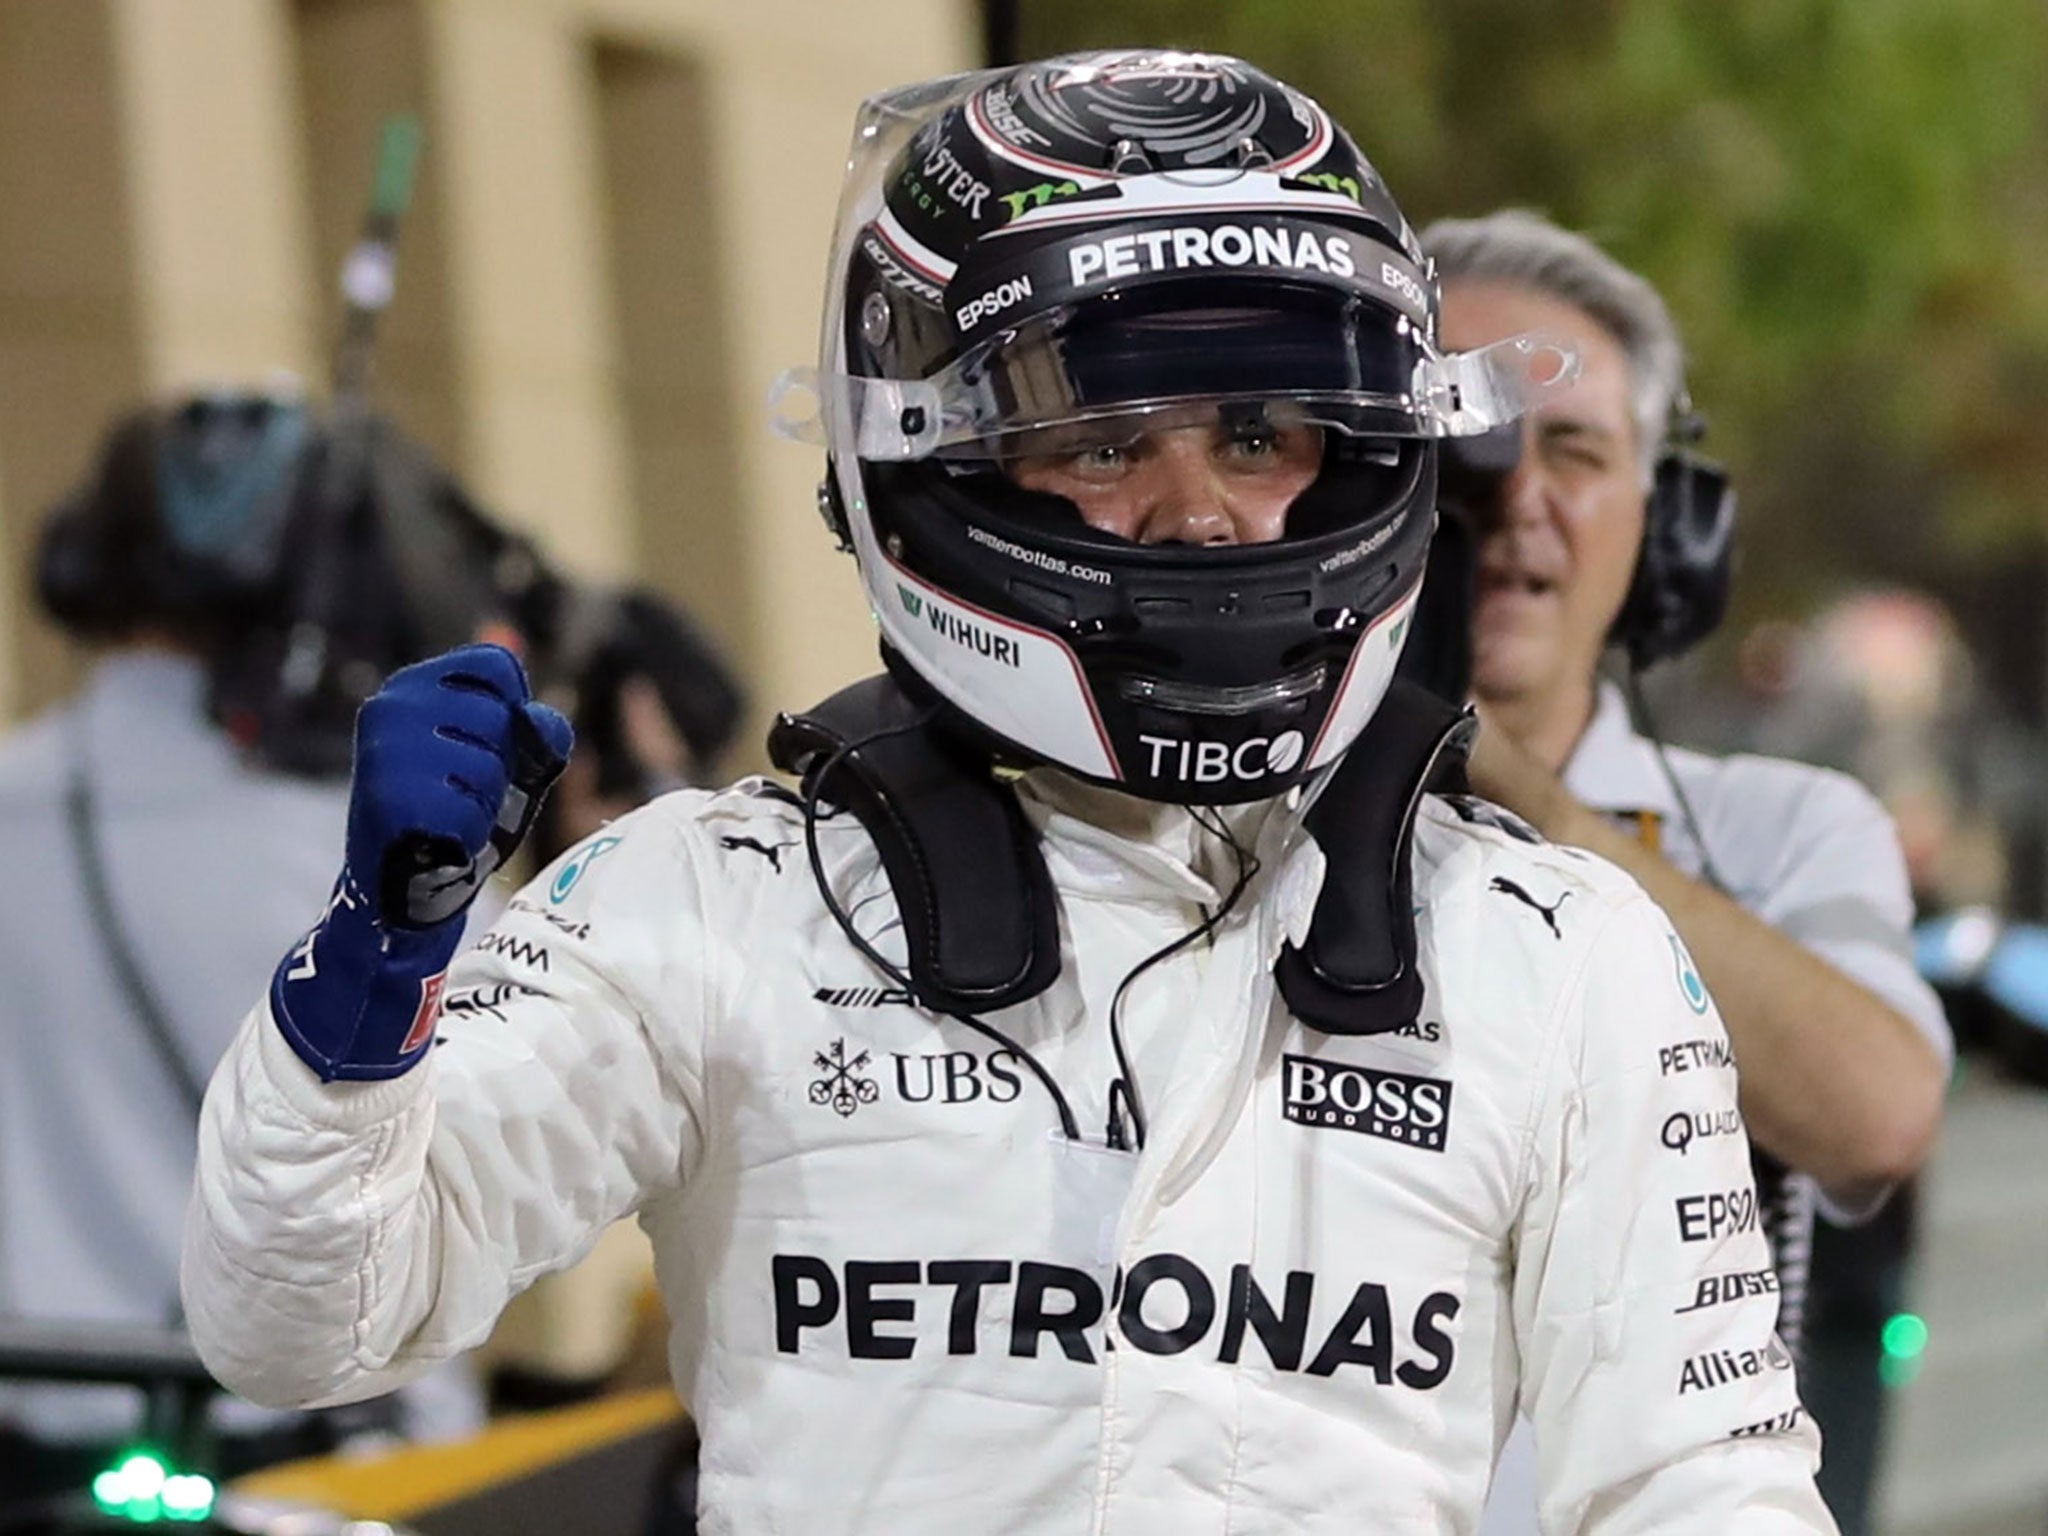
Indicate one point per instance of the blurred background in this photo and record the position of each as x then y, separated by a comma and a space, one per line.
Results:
618, 239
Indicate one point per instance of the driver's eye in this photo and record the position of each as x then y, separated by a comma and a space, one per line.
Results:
1255, 442
1102, 456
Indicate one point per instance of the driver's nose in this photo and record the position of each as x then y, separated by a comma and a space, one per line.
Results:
1195, 492
1182, 496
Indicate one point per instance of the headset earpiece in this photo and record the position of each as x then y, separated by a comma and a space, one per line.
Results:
73, 579
1679, 593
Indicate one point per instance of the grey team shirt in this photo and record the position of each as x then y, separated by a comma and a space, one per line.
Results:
214, 869
1808, 850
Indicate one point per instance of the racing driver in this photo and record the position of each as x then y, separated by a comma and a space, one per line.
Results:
1128, 1087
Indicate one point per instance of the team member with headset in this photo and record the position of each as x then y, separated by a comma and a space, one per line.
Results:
1114, 1093
157, 864
1597, 529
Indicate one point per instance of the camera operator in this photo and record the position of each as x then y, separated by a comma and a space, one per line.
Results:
1594, 529
167, 863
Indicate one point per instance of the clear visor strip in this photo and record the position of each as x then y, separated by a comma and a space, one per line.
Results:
1462, 394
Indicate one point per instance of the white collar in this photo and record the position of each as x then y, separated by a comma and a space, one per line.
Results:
1613, 768
1101, 839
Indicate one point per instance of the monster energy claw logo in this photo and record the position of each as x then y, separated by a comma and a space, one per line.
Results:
1343, 186
1021, 203
841, 1086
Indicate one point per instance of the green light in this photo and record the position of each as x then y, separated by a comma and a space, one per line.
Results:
189, 1497
142, 1475
143, 1489
1905, 1337
107, 1491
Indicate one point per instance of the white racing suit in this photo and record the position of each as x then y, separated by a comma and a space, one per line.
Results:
902, 1300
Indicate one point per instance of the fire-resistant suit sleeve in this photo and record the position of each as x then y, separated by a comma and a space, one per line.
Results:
344, 1237
1645, 1304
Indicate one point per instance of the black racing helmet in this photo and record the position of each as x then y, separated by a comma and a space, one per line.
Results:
1115, 242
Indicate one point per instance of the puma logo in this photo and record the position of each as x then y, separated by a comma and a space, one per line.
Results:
772, 855
1508, 887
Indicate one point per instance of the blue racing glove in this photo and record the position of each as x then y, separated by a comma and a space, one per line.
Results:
452, 759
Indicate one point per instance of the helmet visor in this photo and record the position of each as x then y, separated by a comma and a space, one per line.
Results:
1361, 370
1352, 370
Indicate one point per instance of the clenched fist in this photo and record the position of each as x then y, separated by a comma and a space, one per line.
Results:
453, 757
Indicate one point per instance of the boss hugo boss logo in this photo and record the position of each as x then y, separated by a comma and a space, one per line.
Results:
1213, 762
1395, 1106
1167, 1304
1683, 1127
1483, 813
1227, 245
